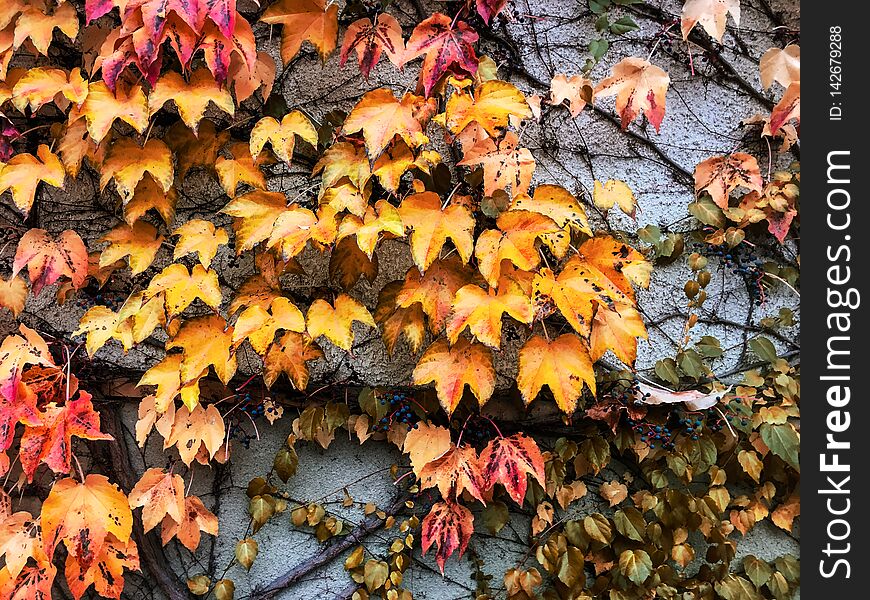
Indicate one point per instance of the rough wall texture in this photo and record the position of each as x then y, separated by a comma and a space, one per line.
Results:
710, 94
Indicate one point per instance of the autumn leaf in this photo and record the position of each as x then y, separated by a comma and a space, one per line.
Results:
455, 471
166, 375
381, 219
127, 163
509, 460
16, 352
719, 175
782, 65
245, 80
425, 443
49, 258
195, 518
254, 215
616, 328
396, 321
482, 310
562, 364
347, 263
138, 244
83, 515
181, 287
290, 355
575, 90
562, 207
259, 327
205, 341
102, 324
196, 427
37, 25
449, 526
448, 45
369, 41
515, 240
711, 14
42, 85
191, 97
13, 294
614, 492
24, 172
434, 290
433, 225
201, 237
621, 264
638, 85
50, 442
149, 195
335, 323
494, 106
451, 368
304, 20
614, 191
20, 538
506, 166
160, 494
487, 9
282, 135
106, 571
381, 116
241, 168
102, 108
788, 108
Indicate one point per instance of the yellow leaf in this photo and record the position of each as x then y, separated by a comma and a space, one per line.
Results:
127, 163
494, 106
201, 237
303, 20
563, 365
452, 368
23, 173
282, 135
482, 312
191, 97
102, 107
381, 116
181, 287
205, 341
335, 323
139, 244
432, 226
614, 191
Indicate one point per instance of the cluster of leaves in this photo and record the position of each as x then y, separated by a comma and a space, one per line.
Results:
142, 96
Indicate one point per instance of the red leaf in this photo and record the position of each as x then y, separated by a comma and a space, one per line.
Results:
487, 9
446, 45
449, 526
508, 460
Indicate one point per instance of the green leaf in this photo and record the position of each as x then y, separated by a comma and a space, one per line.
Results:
734, 587
706, 211
783, 441
789, 566
691, 364
571, 565
599, 6
666, 370
623, 25
630, 523
764, 349
602, 23
636, 565
651, 234
709, 347
598, 48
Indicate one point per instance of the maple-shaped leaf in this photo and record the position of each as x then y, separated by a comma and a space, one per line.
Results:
259, 326
782, 65
205, 341
50, 442
127, 163
487, 9
200, 236
788, 108
433, 225
616, 328
49, 258
494, 106
455, 471
290, 355
639, 86
254, 215
16, 353
42, 85
562, 364
344, 161
449, 526
102, 324
103, 107
246, 80
448, 45
13, 294
83, 515
381, 219
369, 41
20, 538
139, 244
166, 375
575, 90
506, 166
434, 290
106, 572
425, 443
396, 321
194, 428
711, 14
482, 310
74, 145
562, 207
37, 24
195, 149
292, 230
514, 240
33, 583
394, 162
181, 287
304, 20
347, 263
509, 461
451, 368
24, 172
381, 116
621, 264
282, 135
614, 192
191, 97
336, 323
241, 168
150, 195
160, 494
195, 518
719, 175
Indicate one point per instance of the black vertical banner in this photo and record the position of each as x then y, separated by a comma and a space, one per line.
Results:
835, 363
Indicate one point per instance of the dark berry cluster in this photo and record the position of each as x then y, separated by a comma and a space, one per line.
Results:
742, 261
400, 410
476, 429
91, 296
253, 407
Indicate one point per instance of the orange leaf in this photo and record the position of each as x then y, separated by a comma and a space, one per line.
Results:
514, 240
616, 328
241, 168
191, 97
347, 263
102, 107
160, 494
711, 14
83, 515
563, 365
447, 44
482, 312
508, 460
290, 355
505, 165
106, 573
13, 294
381, 116
449, 526
638, 85
41, 85
576, 90
303, 20
255, 215
149, 195
451, 368
788, 108
23, 173
48, 259
259, 327
195, 518
382, 218
194, 428
432, 226
20, 538
434, 290
455, 471
719, 175
336, 323
139, 244
205, 341
396, 320
37, 25
166, 375
369, 41
127, 163
425, 443
494, 106
782, 65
